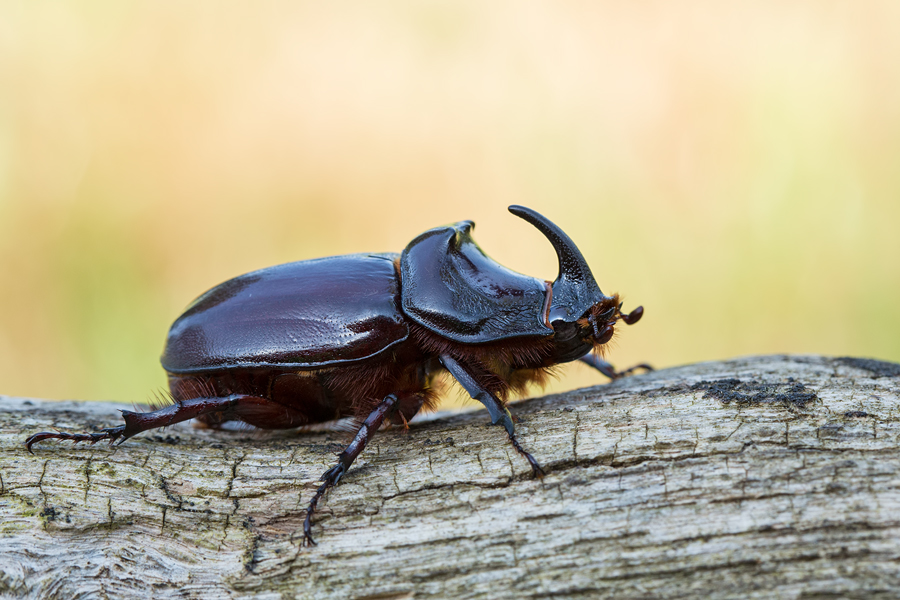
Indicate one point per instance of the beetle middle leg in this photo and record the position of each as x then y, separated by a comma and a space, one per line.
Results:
333, 475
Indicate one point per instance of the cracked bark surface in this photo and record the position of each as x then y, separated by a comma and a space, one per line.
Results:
759, 477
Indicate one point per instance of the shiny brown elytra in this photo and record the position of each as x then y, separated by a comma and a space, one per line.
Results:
365, 335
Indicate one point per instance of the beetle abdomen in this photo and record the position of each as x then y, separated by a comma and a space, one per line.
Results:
306, 315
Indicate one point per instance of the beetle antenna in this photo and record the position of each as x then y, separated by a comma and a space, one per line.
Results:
634, 316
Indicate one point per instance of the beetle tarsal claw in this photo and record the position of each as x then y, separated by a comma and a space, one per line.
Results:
333, 475
110, 433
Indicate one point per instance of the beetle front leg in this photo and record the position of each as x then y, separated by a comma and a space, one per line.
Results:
332, 476
607, 369
499, 413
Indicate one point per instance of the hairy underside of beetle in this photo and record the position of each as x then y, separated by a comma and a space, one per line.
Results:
504, 367
292, 398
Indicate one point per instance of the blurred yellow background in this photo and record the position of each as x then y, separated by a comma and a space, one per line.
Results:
734, 167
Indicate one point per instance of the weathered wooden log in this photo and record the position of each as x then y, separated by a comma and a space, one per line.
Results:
760, 477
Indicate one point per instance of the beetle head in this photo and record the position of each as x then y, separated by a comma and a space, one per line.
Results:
581, 315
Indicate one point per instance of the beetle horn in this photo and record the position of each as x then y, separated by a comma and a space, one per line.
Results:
575, 289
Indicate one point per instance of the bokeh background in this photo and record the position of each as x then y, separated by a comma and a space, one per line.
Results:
732, 166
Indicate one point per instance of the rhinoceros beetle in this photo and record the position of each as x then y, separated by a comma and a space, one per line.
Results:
365, 336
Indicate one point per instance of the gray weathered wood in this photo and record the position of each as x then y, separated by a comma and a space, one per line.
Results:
659, 485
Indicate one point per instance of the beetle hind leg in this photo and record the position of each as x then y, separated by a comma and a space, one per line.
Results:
136, 422
332, 476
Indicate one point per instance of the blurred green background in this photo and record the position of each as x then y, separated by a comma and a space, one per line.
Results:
734, 167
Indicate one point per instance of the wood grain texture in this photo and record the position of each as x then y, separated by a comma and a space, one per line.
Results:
760, 477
